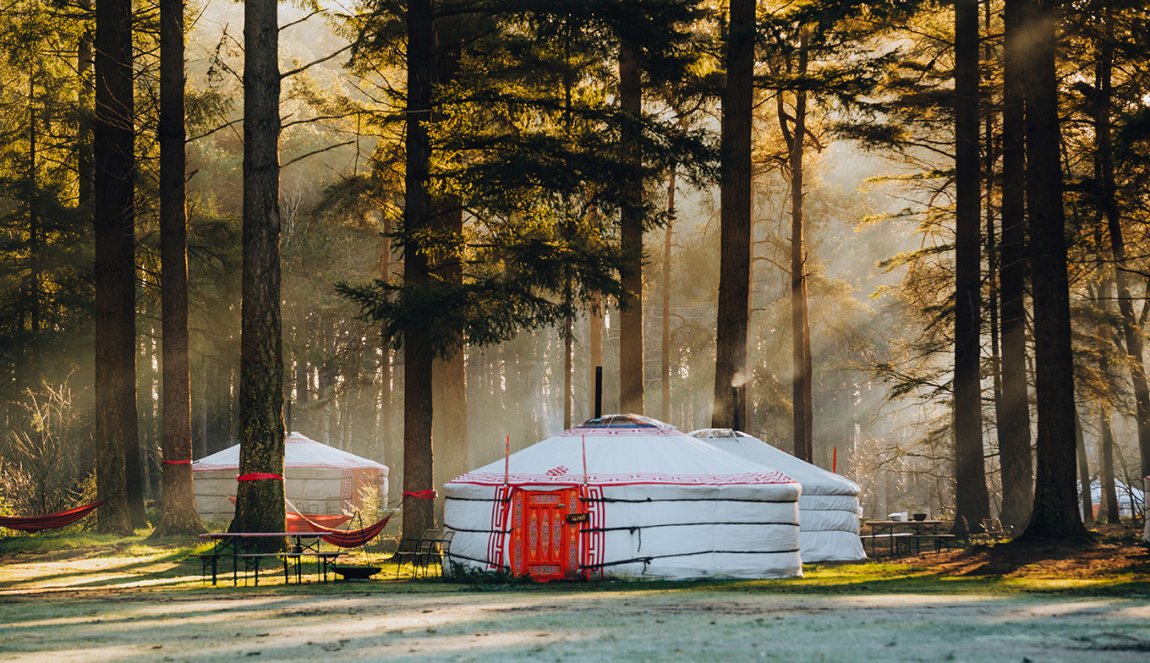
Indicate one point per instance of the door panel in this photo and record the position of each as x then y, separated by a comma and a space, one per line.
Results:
544, 545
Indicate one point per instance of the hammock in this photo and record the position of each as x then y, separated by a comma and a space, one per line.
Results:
298, 522
349, 538
34, 524
301, 522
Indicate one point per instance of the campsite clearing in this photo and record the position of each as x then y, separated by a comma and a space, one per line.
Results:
94, 598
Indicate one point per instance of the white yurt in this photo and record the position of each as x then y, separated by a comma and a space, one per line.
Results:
318, 479
828, 509
625, 496
1131, 500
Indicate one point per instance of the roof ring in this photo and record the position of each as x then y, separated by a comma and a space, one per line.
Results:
620, 421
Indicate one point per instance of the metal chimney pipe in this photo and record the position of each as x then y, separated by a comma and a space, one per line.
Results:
736, 420
598, 391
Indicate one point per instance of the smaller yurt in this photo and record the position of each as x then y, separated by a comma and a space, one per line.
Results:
828, 509
318, 479
1131, 500
625, 496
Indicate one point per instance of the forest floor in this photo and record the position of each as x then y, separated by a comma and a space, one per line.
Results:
92, 598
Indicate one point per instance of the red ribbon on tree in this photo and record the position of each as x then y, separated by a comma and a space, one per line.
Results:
177, 462
259, 476
428, 494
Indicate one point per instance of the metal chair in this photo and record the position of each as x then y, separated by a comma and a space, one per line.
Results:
417, 554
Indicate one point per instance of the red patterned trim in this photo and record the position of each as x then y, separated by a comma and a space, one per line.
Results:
630, 479
596, 431
259, 476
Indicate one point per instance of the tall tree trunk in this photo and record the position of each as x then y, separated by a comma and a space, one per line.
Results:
390, 451
85, 166
1055, 514
1014, 419
631, 231
992, 262
665, 344
734, 212
179, 497
115, 269
260, 501
972, 504
1087, 504
418, 353
1108, 201
802, 369
1106, 467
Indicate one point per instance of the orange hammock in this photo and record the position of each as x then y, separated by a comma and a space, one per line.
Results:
33, 524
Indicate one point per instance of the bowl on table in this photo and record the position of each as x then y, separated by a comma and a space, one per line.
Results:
919, 517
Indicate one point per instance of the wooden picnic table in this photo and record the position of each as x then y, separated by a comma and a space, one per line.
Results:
232, 544
903, 535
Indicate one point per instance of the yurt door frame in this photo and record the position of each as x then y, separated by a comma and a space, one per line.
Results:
545, 534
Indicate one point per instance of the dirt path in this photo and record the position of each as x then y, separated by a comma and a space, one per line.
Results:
581, 625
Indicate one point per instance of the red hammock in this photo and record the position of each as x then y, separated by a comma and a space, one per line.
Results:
350, 538
51, 521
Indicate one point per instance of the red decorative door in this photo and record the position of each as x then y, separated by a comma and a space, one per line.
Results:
544, 545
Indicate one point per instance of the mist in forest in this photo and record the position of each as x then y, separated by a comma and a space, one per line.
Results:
879, 255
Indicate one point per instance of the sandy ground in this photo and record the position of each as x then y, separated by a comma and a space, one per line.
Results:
460, 624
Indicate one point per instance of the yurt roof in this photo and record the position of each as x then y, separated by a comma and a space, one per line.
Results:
815, 480
300, 451
623, 450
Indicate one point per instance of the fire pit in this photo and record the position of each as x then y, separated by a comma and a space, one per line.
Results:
352, 572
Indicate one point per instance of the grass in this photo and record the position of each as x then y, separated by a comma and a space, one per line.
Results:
73, 559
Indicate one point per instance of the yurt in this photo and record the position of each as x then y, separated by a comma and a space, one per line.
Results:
828, 509
625, 496
318, 479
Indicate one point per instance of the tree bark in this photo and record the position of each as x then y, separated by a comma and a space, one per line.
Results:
418, 353
179, 498
972, 503
260, 502
1055, 515
631, 231
1014, 419
114, 273
734, 213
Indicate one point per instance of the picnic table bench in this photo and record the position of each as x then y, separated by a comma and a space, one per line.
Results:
239, 547
904, 536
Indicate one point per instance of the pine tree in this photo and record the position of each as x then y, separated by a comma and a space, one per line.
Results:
118, 464
179, 506
260, 497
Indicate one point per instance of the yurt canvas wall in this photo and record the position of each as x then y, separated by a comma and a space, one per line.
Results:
625, 496
318, 479
829, 507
